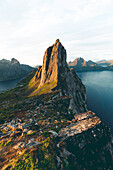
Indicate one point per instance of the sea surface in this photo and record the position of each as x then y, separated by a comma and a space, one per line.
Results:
5, 85
99, 89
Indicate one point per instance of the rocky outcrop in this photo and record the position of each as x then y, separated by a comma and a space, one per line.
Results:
86, 144
38, 73
55, 70
82, 122
14, 61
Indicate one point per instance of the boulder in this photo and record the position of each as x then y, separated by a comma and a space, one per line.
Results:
20, 145
30, 132
32, 143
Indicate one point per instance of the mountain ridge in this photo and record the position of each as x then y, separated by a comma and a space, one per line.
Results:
105, 62
10, 70
79, 64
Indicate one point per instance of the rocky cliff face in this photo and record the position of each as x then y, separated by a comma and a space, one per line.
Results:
53, 64
86, 144
55, 69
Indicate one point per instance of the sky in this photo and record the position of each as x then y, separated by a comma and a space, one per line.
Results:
29, 27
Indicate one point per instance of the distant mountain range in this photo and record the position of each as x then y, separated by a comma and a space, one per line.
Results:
105, 63
79, 64
10, 70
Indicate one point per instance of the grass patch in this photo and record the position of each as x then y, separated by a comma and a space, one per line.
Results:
47, 87
9, 142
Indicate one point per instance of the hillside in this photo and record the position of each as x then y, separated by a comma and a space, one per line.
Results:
45, 124
10, 70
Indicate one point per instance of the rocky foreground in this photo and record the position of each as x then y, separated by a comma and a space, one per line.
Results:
44, 122
55, 142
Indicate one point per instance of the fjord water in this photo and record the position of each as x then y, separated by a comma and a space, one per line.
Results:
99, 89
5, 85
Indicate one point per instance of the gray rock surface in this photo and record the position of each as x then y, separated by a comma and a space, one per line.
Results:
86, 144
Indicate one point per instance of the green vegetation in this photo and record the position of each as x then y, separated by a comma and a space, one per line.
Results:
9, 142
26, 80
39, 158
43, 89
3, 143
46, 134
2, 120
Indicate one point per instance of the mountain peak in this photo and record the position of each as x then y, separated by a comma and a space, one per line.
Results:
55, 75
54, 60
57, 41
80, 62
14, 61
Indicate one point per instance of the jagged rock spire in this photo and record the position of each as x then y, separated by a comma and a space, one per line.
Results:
55, 69
54, 58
